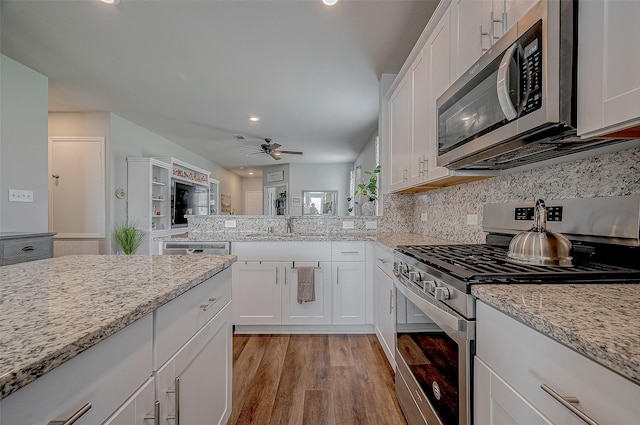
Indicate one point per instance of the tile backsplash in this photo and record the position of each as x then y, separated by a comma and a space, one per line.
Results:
445, 210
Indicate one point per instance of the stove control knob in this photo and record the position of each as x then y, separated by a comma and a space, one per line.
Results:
415, 277
442, 293
430, 286
403, 268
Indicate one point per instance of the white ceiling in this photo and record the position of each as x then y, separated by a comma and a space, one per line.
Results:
194, 71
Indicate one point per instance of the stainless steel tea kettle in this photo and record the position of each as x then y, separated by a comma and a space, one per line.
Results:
538, 245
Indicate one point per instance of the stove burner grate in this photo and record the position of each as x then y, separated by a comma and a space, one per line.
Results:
487, 263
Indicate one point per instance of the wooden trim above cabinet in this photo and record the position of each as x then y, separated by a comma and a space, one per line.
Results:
445, 182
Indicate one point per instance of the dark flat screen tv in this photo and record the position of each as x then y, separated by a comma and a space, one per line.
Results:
187, 199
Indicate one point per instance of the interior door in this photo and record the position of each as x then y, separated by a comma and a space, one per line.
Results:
253, 202
77, 187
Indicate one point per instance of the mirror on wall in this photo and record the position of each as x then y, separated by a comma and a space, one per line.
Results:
275, 198
318, 202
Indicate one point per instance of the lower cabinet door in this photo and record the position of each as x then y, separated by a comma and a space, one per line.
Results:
349, 293
316, 312
257, 293
384, 314
496, 403
139, 409
194, 386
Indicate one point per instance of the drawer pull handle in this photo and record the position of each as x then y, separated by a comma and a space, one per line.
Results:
28, 248
206, 307
73, 418
569, 402
176, 391
349, 252
382, 260
156, 414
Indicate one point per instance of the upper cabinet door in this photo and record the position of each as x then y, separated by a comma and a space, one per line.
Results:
608, 63
470, 33
399, 135
419, 120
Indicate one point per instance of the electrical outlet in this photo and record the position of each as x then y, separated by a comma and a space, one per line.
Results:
371, 224
16, 195
229, 223
472, 219
423, 217
348, 225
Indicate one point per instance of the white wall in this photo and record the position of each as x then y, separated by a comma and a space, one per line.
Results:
23, 147
320, 177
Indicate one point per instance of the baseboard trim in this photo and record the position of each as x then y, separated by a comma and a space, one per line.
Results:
304, 329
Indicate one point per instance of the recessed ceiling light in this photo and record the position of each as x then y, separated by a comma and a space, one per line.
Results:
251, 173
254, 118
329, 2
114, 2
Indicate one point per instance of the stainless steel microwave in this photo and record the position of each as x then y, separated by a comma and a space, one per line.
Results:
517, 103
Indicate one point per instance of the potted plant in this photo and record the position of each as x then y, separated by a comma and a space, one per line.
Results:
128, 237
370, 188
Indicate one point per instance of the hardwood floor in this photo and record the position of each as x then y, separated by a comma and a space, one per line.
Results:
312, 379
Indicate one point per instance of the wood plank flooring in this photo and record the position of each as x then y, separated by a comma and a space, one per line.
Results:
312, 380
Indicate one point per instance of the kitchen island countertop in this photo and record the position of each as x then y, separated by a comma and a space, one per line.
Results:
599, 321
52, 310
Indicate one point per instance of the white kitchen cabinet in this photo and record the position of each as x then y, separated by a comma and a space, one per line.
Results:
257, 292
384, 302
103, 376
418, 163
194, 386
497, 403
349, 282
513, 361
471, 35
148, 198
400, 135
317, 312
139, 409
608, 63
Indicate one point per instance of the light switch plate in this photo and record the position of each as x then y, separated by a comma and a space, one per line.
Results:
16, 195
472, 219
229, 223
371, 224
347, 225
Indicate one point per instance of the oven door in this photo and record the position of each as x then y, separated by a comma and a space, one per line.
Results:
434, 350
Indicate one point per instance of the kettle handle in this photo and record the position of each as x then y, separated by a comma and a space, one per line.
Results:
540, 217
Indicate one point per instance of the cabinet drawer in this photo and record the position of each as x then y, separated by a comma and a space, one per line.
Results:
383, 258
526, 359
348, 251
20, 250
104, 376
180, 319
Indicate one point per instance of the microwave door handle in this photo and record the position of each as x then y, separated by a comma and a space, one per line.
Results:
503, 84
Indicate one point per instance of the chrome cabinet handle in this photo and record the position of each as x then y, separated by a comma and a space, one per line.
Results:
349, 252
73, 418
285, 276
176, 391
337, 275
277, 276
28, 248
205, 307
569, 402
390, 301
482, 35
382, 260
156, 414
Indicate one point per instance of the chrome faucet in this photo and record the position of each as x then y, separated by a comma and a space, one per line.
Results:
289, 226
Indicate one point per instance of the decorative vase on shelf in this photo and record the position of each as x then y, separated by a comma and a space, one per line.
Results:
368, 208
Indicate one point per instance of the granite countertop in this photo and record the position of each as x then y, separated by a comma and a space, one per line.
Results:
391, 240
52, 310
598, 321
21, 235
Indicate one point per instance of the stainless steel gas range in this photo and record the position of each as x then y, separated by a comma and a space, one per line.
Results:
435, 322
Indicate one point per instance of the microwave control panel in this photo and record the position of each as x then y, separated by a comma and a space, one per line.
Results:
531, 70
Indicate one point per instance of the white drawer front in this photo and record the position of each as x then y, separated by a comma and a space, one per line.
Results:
526, 359
180, 319
104, 375
383, 258
348, 251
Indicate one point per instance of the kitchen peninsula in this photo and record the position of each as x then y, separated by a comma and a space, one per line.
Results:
87, 332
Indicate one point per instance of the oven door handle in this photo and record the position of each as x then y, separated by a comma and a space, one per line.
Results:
441, 317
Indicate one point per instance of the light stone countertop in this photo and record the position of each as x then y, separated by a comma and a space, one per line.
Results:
599, 321
52, 310
391, 240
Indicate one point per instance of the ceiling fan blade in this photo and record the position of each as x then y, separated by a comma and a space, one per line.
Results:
275, 146
275, 156
290, 152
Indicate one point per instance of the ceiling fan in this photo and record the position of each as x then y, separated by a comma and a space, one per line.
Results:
273, 151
